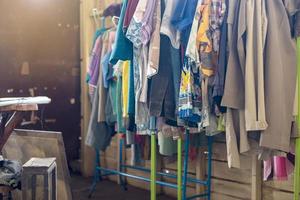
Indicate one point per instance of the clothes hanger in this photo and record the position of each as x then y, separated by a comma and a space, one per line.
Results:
103, 25
115, 20
95, 14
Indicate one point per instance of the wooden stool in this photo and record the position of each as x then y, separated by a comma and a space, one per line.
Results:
39, 166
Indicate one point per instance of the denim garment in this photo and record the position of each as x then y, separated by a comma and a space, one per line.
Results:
105, 69
182, 21
162, 98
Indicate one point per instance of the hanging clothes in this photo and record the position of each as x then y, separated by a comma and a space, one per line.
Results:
154, 44
297, 25
256, 31
122, 49
132, 4
93, 67
99, 134
166, 26
161, 97
190, 96
183, 19
219, 78
280, 74
192, 47
112, 10
140, 59
231, 79
211, 65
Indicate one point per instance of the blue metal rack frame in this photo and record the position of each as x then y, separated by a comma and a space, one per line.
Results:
101, 172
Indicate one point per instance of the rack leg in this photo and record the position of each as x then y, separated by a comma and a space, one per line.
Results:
186, 161
97, 174
179, 169
121, 179
153, 167
210, 143
297, 151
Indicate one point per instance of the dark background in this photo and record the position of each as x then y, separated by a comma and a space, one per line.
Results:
44, 35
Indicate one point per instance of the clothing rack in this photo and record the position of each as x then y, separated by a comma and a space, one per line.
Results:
297, 143
181, 176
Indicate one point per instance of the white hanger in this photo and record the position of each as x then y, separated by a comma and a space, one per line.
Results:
115, 20
96, 14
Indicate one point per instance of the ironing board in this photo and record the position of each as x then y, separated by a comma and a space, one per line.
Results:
19, 106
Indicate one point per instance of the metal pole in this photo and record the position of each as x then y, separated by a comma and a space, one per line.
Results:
186, 162
153, 159
97, 174
98, 163
210, 143
179, 168
153, 167
297, 146
121, 145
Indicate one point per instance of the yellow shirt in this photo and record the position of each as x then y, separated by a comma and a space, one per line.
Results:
125, 88
203, 41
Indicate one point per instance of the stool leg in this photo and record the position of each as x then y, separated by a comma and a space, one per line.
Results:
54, 191
46, 187
24, 186
10, 196
33, 187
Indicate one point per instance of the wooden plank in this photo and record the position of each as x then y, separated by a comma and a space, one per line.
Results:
39, 162
13, 122
19, 107
256, 184
220, 170
86, 34
111, 152
173, 192
173, 166
231, 188
137, 183
270, 194
218, 196
281, 185
110, 164
220, 153
200, 170
174, 180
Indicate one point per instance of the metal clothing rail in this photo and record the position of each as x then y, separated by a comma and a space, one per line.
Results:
181, 176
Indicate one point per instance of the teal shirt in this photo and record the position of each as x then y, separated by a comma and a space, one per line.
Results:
122, 49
